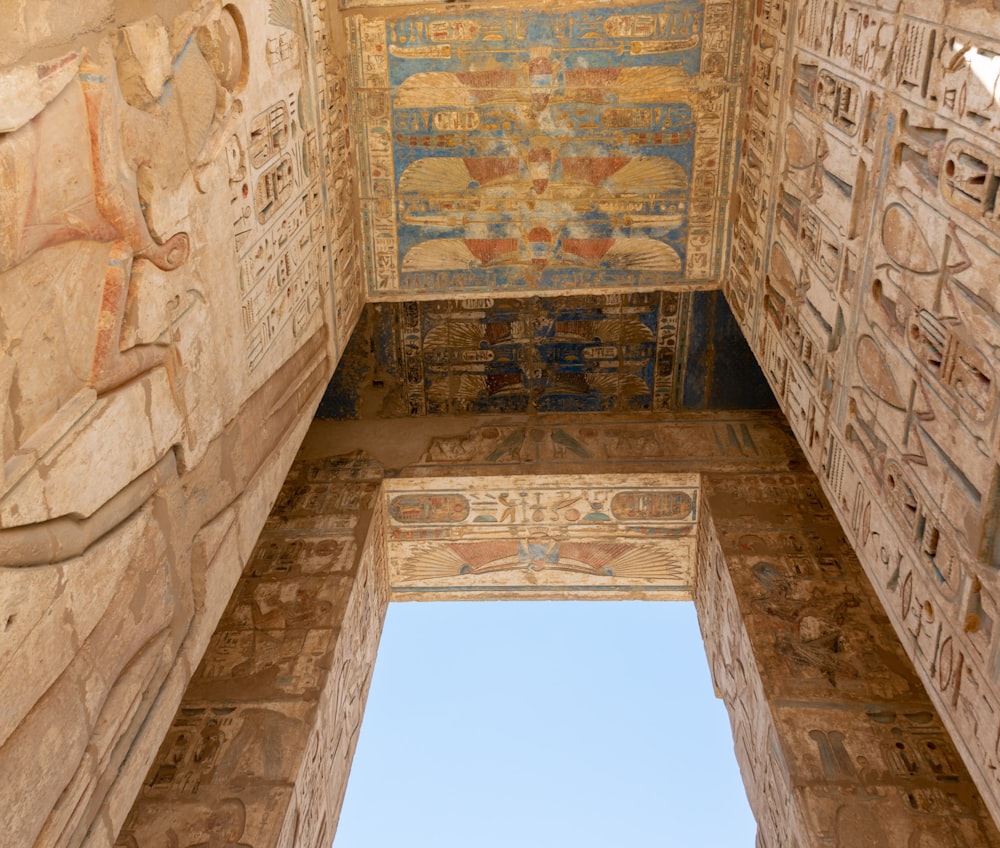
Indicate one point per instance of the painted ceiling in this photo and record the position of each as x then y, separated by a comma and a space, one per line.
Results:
522, 151
507, 155
641, 352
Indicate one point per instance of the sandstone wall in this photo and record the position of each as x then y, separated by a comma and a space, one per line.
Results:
178, 276
260, 749
837, 741
862, 270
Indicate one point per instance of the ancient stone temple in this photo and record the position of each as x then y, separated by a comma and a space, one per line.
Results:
687, 300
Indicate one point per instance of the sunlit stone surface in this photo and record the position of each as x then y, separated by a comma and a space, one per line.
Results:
199, 199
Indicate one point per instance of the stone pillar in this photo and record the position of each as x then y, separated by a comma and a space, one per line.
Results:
865, 242
837, 740
179, 274
259, 751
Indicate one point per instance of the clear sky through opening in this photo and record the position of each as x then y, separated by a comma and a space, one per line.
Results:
544, 725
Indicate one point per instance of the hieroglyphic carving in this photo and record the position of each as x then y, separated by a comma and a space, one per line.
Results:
542, 535
627, 351
342, 703
341, 187
370, 77
830, 720
749, 216
867, 291
718, 443
270, 716
737, 678
841, 730
93, 298
124, 388
714, 137
339, 176
565, 354
636, 502
92, 151
582, 158
290, 187
667, 373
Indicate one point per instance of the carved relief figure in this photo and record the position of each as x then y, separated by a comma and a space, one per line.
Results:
88, 147
99, 153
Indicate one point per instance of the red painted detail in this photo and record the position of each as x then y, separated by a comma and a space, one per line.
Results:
540, 65
592, 169
489, 169
491, 250
497, 383
593, 248
590, 77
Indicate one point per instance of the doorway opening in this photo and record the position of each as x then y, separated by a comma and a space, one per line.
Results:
540, 724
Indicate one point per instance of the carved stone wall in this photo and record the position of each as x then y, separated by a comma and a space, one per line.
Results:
566, 444
181, 266
837, 740
260, 748
178, 275
862, 271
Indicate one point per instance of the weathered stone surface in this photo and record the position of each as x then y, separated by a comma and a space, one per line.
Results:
181, 263
862, 272
159, 362
269, 722
567, 444
837, 740
47, 26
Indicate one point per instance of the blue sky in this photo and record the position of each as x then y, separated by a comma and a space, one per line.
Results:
531, 724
